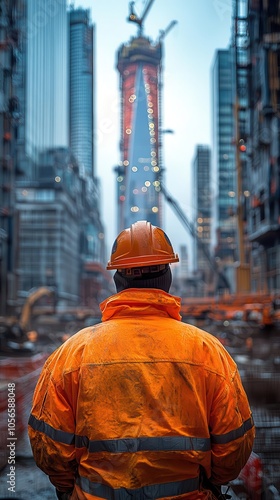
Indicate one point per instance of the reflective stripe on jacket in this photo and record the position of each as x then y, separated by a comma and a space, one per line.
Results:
134, 406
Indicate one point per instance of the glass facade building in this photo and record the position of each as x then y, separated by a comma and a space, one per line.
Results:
59, 227
49, 222
81, 89
201, 170
223, 164
47, 123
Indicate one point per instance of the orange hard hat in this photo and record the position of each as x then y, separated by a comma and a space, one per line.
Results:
142, 244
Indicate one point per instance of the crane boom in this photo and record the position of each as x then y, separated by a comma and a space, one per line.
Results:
191, 229
146, 10
31, 299
139, 20
163, 33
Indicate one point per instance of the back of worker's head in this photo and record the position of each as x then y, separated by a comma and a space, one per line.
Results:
142, 255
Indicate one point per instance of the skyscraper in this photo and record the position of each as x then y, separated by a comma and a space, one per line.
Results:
202, 213
139, 64
34, 74
59, 227
81, 89
46, 76
223, 162
82, 145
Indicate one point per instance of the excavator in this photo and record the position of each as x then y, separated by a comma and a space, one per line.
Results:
15, 334
33, 297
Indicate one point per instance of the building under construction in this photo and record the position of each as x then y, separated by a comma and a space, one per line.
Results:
256, 44
139, 172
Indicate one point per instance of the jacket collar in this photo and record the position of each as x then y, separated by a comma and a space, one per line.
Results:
141, 302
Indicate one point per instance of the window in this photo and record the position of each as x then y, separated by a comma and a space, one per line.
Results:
44, 195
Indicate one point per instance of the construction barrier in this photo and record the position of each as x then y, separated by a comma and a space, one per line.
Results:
18, 378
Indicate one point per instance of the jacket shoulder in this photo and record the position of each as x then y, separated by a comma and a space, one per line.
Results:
70, 354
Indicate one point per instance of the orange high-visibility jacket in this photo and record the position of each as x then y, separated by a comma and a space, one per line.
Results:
134, 406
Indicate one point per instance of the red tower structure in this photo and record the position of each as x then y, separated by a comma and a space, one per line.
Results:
139, 171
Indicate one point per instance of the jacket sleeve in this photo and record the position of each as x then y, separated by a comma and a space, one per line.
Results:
231, 427
52, 427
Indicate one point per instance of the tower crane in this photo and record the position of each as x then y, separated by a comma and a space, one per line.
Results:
222, 279
134, 18
139, 20
163, 33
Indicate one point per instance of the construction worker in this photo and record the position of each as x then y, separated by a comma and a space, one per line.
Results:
140, 405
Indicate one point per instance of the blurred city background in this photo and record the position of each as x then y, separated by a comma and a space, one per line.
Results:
62, 203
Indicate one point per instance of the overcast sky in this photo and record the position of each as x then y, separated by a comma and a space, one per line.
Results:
189, 48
